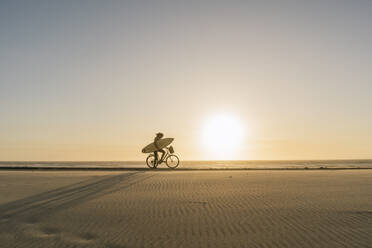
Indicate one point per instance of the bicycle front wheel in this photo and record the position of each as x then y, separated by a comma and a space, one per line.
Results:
172, 161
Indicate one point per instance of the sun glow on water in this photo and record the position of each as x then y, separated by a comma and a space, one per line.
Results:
222, 137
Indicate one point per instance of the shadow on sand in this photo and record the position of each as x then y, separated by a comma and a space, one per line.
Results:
35, 207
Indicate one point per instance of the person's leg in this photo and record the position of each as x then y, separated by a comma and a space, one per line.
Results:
162, 155
156, 158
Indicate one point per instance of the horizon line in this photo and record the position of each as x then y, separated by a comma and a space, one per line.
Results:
201, 160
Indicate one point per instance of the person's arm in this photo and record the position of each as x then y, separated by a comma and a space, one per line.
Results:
156, 143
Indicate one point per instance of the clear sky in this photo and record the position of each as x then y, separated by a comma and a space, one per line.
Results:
95, 80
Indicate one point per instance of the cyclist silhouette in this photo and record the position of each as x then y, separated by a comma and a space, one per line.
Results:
157, 138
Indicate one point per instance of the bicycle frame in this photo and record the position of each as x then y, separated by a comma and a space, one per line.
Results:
165, 155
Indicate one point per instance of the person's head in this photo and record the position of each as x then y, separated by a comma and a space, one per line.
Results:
159, 135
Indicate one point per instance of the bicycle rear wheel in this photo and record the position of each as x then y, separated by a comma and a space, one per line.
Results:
150, 160
172, 161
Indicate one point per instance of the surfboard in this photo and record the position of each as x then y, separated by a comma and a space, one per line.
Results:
161, 144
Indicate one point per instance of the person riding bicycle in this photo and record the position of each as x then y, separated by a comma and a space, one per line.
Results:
156, 139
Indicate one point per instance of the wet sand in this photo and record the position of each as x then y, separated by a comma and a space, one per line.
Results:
186, 208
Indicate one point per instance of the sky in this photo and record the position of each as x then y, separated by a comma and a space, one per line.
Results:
95, 80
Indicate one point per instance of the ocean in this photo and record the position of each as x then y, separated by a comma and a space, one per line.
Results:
232, 164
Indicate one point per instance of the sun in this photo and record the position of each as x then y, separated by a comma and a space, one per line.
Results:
222, 136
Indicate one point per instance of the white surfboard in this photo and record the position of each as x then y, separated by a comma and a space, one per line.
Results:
161, 144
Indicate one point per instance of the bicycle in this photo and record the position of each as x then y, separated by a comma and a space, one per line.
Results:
170, 159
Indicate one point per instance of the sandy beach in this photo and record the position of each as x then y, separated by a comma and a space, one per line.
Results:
186, 208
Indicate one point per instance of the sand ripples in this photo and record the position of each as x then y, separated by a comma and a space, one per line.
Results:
197, 209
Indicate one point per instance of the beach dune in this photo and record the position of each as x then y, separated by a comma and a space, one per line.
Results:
186, 208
